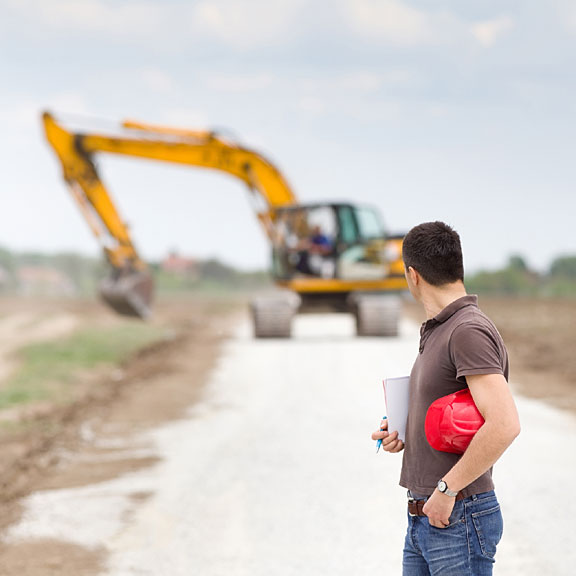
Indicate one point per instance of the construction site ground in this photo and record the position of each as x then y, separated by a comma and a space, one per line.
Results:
98, 434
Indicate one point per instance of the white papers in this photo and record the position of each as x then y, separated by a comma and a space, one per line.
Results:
397, 394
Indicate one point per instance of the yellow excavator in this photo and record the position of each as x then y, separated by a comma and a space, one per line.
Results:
326, 256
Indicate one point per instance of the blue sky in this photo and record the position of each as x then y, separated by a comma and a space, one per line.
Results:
459, 111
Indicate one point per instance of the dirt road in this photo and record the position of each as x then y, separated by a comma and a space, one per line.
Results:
272, 471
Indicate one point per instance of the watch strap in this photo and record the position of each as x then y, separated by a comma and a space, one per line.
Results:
447, 491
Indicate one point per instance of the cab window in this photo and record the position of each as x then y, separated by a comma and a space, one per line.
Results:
369, 224
348, 234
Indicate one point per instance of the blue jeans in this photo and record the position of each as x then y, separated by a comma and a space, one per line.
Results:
465, 548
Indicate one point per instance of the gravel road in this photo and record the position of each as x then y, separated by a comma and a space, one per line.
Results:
274, 473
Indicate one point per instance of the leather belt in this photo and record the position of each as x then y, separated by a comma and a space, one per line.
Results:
415, 507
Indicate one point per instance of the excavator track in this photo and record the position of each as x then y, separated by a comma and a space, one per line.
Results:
272, 315
377, 315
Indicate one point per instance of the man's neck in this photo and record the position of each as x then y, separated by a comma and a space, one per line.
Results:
436, 298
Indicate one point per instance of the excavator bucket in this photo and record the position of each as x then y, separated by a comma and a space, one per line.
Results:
128, 293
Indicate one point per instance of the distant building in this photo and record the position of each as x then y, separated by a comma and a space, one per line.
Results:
44, 281
179, 265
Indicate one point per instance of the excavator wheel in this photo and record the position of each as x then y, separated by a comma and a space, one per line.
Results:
377, 315
272, 316
129, 293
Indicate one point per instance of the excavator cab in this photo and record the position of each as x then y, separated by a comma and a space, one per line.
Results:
332, 257
332, 241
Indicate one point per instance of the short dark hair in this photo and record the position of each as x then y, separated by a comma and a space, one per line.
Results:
433, 249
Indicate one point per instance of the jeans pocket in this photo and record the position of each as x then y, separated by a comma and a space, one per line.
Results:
457, 518
489, 527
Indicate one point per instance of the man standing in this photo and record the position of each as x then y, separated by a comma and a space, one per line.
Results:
454, 521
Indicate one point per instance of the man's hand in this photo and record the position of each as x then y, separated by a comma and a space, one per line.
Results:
390, 442
438, 509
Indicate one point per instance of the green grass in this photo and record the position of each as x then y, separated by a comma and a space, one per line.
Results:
47, 369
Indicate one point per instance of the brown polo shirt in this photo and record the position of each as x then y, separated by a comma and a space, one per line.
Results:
460, 341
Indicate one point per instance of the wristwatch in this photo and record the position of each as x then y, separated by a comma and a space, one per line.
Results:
443, 487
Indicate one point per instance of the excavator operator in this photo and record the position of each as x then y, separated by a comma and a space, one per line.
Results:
314, 254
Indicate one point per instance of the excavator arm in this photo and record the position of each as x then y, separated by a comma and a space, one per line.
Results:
129, 289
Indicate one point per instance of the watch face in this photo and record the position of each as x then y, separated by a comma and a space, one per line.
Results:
442, 486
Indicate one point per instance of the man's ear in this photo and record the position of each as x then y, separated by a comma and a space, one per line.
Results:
414, 276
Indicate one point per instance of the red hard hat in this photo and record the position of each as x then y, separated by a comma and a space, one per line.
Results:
452, 421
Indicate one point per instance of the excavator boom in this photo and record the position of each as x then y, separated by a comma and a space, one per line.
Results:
129, 288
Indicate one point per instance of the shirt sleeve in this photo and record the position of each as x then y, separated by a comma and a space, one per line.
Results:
475, 350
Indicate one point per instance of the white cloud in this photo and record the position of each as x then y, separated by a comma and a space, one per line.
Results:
158, 81
71, 102
243, 25
567, 14
190, 118
239, 83
247, 24
134, 20
490, 31
345, 92
250, 23
363, 82
312, 105
24, 116
395, 22
20, 117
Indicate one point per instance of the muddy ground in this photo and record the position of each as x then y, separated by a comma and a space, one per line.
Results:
84, 441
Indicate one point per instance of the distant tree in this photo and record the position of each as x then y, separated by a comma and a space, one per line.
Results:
85, 273
563, 267
7, 260
7, 270
515, 279
215, 270
518, 264
82, 271
33, 258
